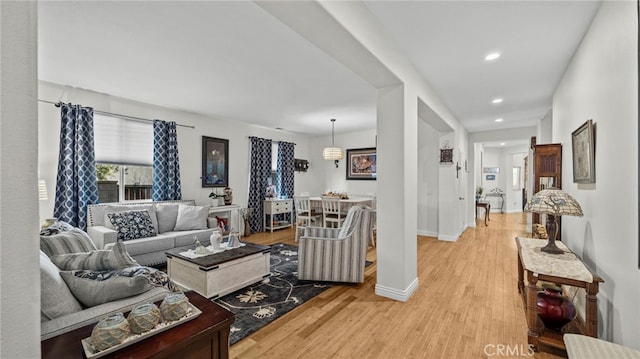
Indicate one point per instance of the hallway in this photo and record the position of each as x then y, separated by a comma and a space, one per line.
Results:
466, 306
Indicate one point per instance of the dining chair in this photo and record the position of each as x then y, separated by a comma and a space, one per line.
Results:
305, 214
332, 212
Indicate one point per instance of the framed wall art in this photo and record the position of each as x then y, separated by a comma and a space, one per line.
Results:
583, 149
361, 164
215, 162
491, 170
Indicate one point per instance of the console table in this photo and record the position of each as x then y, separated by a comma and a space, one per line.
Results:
206, 336
562, 269
273, 207
487, 209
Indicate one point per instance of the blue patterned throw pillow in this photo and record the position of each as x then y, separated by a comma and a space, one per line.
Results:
132, 224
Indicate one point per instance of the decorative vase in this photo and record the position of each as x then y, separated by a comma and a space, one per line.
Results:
247, 227
174, 306
143, 318
214, 202
110, 332
215, 240
554, 310
228, 196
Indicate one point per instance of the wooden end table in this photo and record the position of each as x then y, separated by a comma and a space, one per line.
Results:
206, 336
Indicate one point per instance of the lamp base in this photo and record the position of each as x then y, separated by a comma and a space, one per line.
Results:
551, 247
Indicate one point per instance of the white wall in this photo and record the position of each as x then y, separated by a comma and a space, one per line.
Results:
189, 143
428, 166
19, 243
601, 83
329, 178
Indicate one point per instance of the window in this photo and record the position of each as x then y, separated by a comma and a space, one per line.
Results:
124, 155
274, 162
138, 182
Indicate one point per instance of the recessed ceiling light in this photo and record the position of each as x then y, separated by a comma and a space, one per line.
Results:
496, 100
499, 119
502, 143
492, 56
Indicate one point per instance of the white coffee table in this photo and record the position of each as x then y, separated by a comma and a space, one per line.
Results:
218, 274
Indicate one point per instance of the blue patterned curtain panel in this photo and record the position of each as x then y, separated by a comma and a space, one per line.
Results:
166, 164
258, 180
76, 182
285, 172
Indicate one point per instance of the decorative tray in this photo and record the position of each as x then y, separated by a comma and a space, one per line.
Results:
91, 352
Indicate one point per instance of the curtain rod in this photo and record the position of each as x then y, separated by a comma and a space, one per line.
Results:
125, 117
295, 144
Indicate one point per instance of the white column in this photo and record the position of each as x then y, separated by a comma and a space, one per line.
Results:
397, 125
19, 256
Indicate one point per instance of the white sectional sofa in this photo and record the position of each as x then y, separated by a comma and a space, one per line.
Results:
176, 224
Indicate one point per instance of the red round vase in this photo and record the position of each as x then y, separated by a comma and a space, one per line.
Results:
554, 310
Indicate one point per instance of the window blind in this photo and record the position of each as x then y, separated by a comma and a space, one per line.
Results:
124, 142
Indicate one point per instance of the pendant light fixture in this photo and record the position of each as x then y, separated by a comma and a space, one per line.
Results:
332, 153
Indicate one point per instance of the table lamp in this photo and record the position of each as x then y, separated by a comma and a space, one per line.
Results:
553, 202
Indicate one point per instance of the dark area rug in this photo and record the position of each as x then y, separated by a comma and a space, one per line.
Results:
261, 303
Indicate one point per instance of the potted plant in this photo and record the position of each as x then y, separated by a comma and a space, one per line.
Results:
215, 198
479, 192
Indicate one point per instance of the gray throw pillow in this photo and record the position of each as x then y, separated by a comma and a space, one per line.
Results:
115, 258
191, 218
167, 214
55, 297
132, 224
91, 292
72, 241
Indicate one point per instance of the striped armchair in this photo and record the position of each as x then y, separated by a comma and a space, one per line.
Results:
337, 254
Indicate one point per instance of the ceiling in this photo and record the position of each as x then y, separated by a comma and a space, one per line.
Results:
234, 60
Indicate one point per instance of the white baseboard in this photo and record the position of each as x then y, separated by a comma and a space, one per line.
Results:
392, 293
443, 237
427, 233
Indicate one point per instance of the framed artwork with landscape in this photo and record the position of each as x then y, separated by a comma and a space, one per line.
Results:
583, 148
361, 164
215, 162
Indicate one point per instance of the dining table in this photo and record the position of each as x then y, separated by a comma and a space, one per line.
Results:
345, 204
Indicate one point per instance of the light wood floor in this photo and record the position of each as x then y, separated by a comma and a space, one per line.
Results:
466, 306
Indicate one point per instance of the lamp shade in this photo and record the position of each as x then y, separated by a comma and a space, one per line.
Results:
332, 153
555, 202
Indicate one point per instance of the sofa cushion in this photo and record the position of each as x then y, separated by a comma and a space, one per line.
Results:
191, 217
132, 224
73, 241
55, 297
167, 214
96, 287
115, 258
161, 242
91, 292
125, 208
55, 228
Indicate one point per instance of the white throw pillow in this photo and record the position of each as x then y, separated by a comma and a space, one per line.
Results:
191, 218
55, 297
167, 214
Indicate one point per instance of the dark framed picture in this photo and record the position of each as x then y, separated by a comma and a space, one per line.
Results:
490, 177
361, 164
215, 162
583, 149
